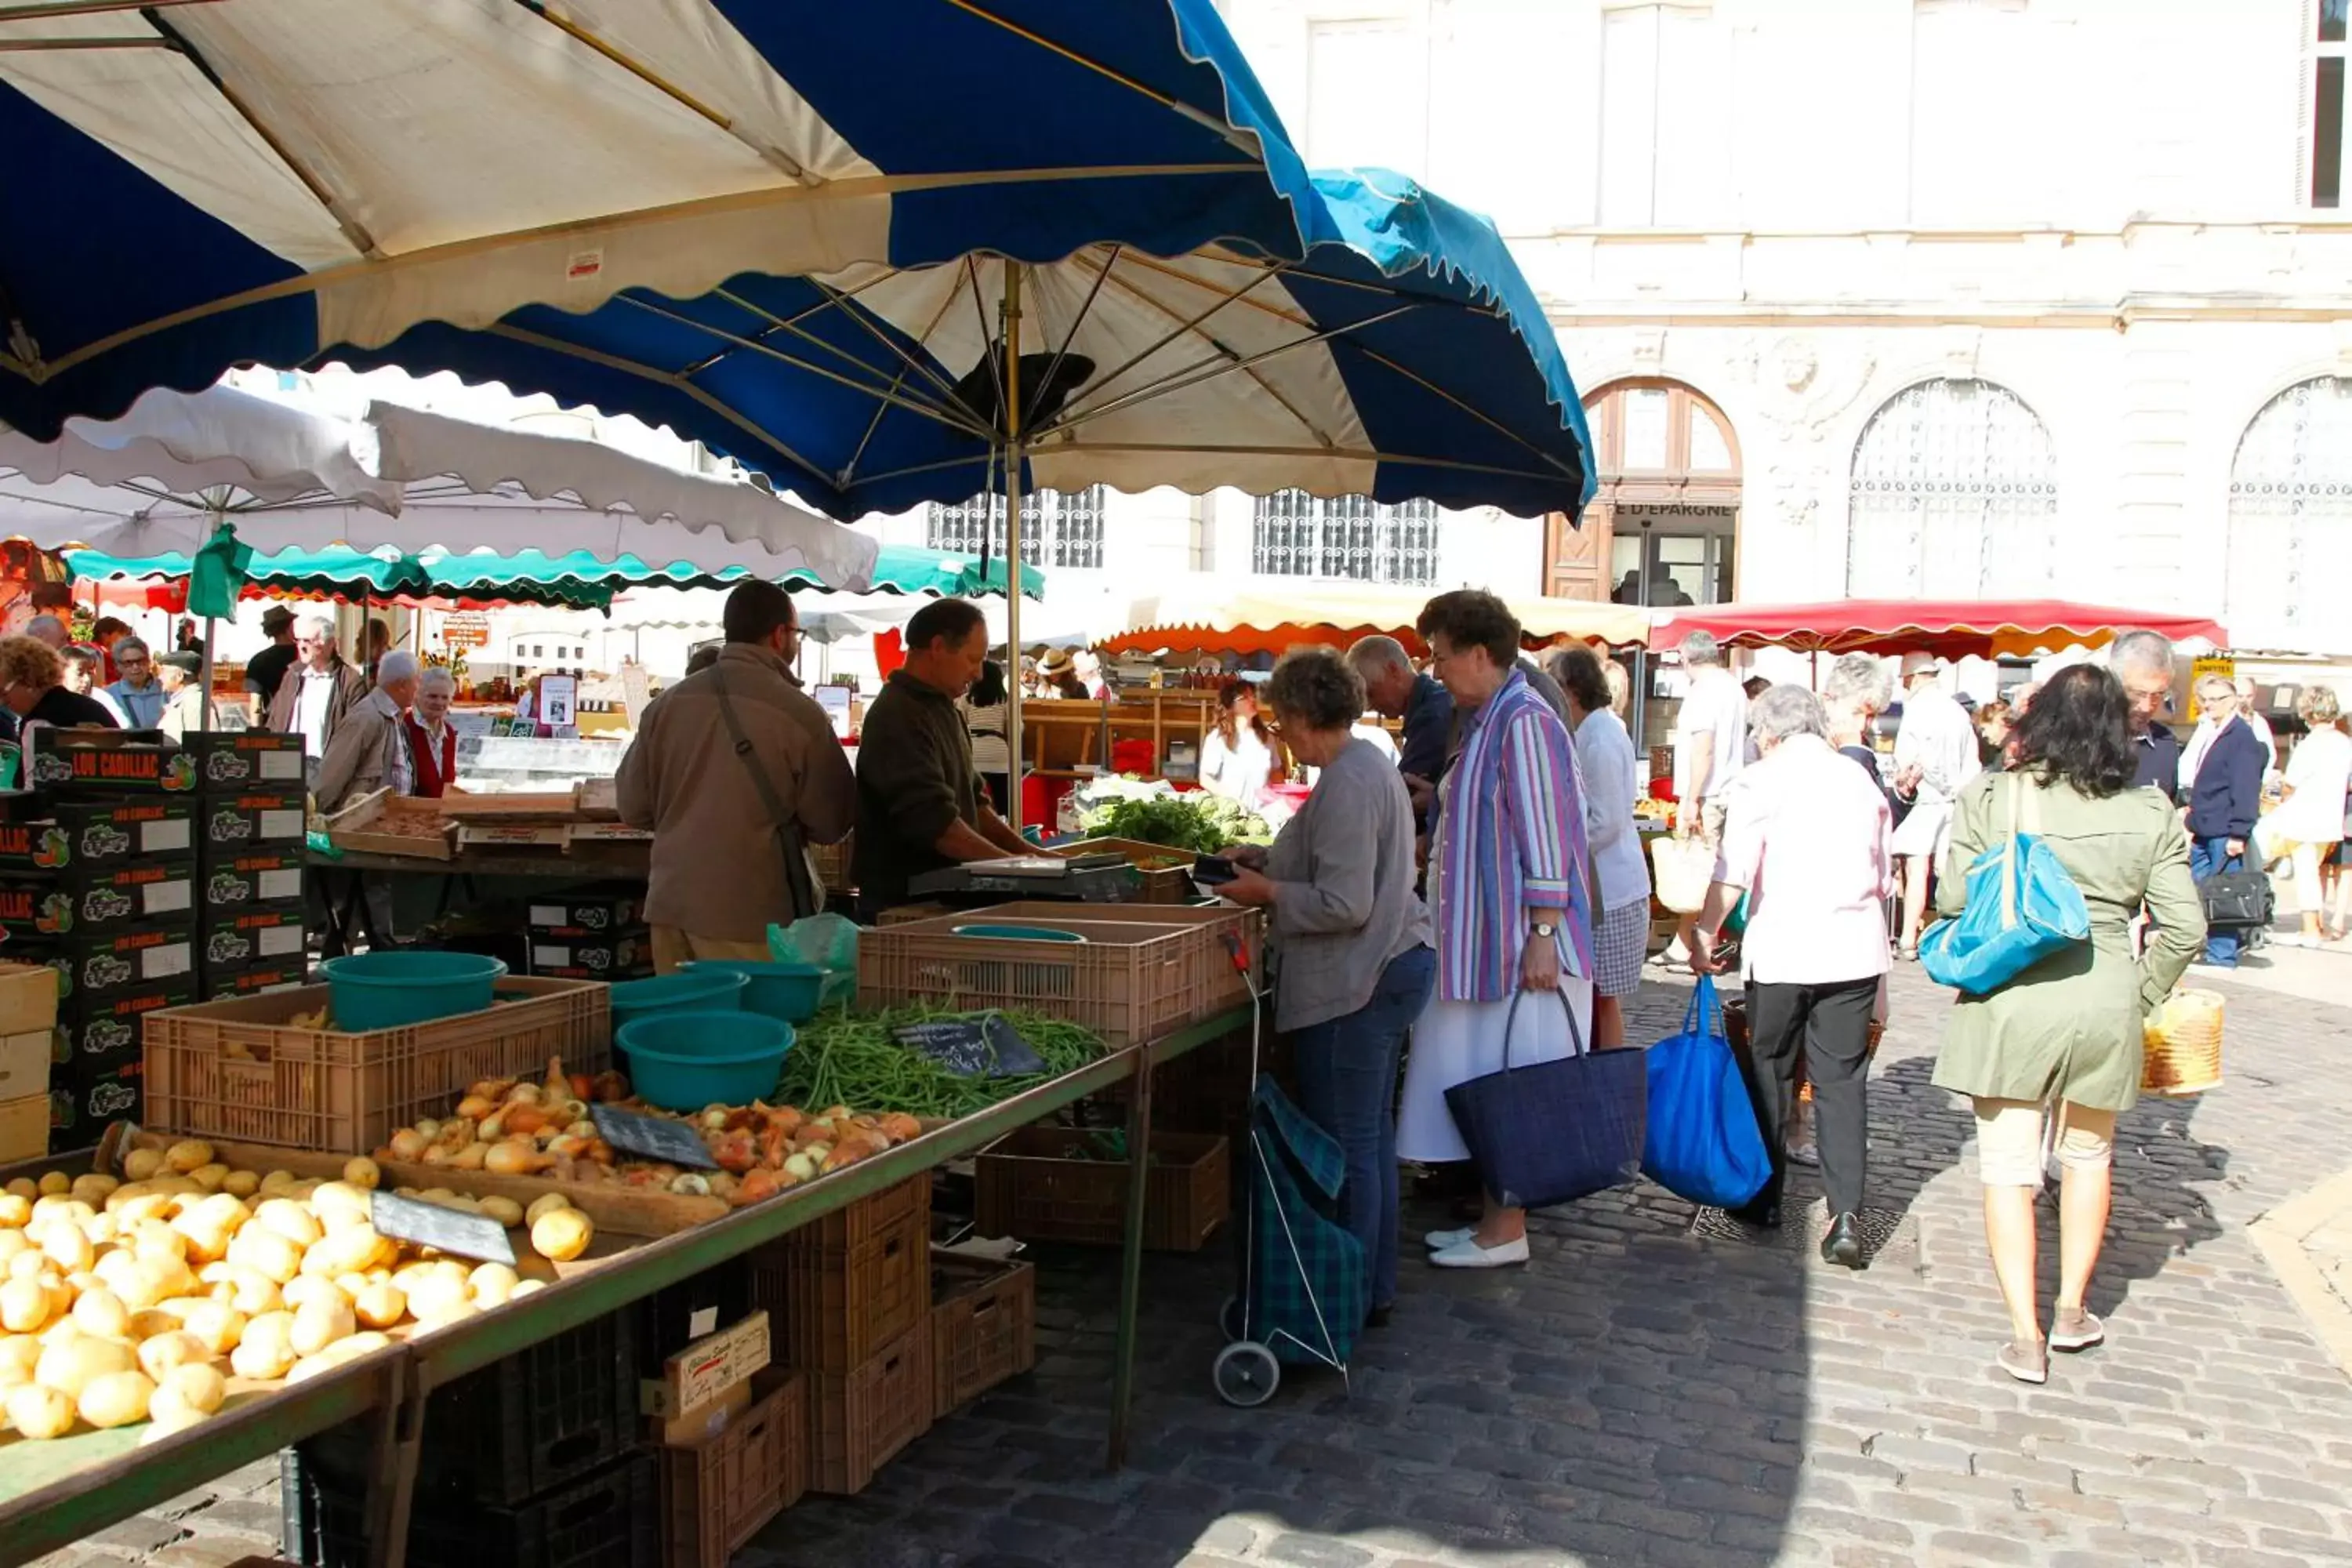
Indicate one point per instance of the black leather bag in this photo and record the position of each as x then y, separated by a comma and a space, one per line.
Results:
2236, 899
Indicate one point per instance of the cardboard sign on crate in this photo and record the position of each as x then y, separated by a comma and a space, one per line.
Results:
706, 1369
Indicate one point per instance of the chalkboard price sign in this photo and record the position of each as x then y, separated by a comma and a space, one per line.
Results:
444, 1229
652, 1137
986, 1046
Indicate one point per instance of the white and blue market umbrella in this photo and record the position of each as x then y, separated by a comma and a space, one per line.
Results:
904, 251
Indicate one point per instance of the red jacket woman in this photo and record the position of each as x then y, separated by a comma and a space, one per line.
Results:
432, 739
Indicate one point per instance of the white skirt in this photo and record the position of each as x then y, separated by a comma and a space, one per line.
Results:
1457, 1041
1928, 830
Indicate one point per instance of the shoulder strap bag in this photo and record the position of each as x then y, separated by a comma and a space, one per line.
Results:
2022, 907
789, 842
1553, 1131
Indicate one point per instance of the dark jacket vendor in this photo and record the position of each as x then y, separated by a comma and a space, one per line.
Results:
920, 804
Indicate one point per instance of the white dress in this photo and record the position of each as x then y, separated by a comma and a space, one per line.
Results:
1457, 1041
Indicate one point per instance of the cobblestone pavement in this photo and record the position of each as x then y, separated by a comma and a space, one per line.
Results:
1645, 1395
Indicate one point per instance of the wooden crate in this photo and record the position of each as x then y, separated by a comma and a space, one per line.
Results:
1162, 884
859, 1420
717, 1494
983, 1326
846, 1286
1140, 971
385, 823
1035, 1185
239, 1069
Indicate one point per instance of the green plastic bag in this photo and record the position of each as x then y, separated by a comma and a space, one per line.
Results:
829, 941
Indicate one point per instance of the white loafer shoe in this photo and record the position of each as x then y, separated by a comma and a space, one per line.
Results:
1468, 1254
1439, 1240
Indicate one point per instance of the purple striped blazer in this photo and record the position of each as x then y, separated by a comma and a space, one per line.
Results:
1511, 832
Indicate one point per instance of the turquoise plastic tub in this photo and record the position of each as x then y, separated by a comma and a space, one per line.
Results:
692, 989
393, 990
786, 991
684, 1061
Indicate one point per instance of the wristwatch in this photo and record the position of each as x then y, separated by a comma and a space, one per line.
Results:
1543, 929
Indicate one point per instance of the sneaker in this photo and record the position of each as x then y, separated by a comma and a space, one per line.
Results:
2078, 1331
2025, 1360
1439, 1240
1468, 1254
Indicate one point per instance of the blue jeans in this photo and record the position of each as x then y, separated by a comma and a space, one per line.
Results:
2211, 857
1348, 1087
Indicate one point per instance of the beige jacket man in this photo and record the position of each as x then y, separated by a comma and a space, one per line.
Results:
718, 876
370, 748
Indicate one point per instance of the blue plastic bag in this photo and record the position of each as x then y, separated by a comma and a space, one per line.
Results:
2021, 908
1702, 1143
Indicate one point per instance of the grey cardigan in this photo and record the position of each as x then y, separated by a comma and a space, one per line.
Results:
1344, 904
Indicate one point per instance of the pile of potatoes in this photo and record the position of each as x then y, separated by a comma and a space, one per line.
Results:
136, 1299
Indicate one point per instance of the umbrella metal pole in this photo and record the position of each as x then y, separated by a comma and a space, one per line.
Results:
205, 676
1012, 543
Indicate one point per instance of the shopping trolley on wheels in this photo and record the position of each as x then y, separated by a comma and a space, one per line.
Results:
1304, 1285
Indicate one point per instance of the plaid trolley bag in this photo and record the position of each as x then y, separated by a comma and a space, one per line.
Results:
1304, 1289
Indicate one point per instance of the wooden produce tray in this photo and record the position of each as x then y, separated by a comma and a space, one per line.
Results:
388, 824
1167, 873
515, 807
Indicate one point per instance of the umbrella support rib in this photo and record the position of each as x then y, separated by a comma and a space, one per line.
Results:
699, 366
1014, 456
849, 469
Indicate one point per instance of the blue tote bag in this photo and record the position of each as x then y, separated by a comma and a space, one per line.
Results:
1702, 1143
2021, 908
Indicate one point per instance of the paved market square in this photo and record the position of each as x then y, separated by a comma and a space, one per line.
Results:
1645, 1395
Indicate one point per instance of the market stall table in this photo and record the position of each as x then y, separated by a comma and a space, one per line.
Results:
50, 1497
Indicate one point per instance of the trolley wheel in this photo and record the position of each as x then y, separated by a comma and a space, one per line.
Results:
1247, 1374
1231, 1317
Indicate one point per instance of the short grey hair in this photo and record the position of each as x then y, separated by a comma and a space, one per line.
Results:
2245, 684
1366, 655
1316, 686
398, 665
131, 645
1786, 710
1700, 647
437, 678
1858, 678
2142, 651
2213, 689
318, 627
2320, 706
48, 629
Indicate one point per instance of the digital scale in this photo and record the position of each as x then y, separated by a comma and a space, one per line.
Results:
1107, 878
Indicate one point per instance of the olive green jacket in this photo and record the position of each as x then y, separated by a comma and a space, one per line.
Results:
2069, 1028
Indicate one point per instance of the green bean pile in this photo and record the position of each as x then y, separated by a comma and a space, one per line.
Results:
839, 1057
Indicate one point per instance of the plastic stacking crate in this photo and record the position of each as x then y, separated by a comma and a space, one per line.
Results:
1166, 874
717, 1493
1065, 1184
517, 1428
240, 1070
842, 1288
1137, 972
984, 1327
859, 1420
609, 1518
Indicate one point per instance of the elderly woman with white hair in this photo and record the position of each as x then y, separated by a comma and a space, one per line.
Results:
1805, 839
1858, 690
432, 739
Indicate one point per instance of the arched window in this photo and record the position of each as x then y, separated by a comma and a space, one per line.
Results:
2289, 517
1955, 495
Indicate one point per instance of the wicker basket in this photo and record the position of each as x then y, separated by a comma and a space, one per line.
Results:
2183, 1044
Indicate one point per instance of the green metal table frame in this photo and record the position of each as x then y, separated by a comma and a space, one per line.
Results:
121, 1480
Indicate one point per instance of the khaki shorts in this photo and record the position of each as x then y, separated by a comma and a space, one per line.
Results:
1711, 813
2009, 1141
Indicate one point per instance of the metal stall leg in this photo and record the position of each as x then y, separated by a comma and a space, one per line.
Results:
1131, 1272
392, 1485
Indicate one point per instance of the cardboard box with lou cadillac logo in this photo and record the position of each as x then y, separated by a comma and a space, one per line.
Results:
231, 762
110, 963
110, 762
104, 1030
82, 837
107, 898
231, 879
84, 1103
250, 819
261, 933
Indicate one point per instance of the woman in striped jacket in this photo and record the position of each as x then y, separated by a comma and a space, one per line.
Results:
1510, 901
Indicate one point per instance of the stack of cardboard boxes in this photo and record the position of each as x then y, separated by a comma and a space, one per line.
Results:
28, 1018
107, 882
591, 934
